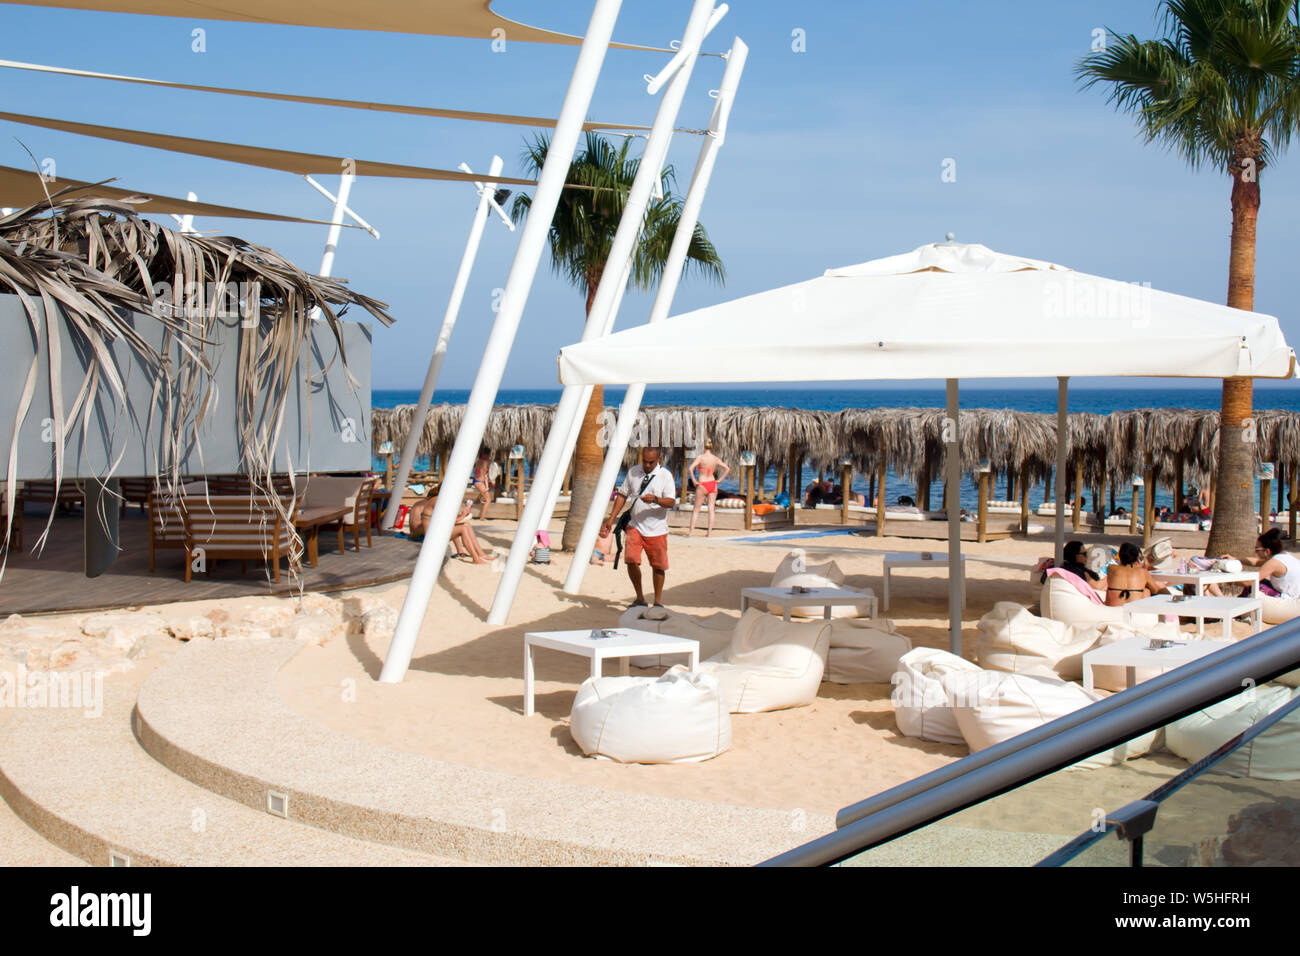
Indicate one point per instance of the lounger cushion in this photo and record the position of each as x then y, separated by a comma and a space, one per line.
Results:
770, 664
329, 491
713, 632
676, 718
920, 705
865, 651
796, 570
991, 707
1273, 755
1011, 639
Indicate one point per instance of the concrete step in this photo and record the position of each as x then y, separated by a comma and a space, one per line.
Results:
84, 784
20, 845
212, 715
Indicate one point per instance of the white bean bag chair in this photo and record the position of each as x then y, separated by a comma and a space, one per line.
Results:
1273, 755
865, 651
676, 718
796, 571
713, 632
1011, 639
770, 664
1277, 609
920, 705
990, 707
1061, 601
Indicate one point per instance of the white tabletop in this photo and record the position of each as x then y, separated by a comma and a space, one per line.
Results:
626, 642
912, 557
1137, 652
812, 596
1216, 607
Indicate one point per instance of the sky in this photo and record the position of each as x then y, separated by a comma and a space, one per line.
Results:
846, 115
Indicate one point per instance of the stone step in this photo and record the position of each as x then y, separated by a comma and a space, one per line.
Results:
84, 784
20, 845
212, 715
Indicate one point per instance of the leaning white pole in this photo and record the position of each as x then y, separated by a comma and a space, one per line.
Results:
617, 448
336, 228
1062, 448
956, 573
532, 243
569, 412
412, 441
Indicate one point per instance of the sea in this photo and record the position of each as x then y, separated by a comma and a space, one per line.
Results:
1081, 399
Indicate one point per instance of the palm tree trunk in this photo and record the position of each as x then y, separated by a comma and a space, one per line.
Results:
1234, 530
588, 456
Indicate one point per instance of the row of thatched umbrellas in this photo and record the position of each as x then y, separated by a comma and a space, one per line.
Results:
1177, 445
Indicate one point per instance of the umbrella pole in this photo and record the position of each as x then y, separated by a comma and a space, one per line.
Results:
528, 255
952, 428
1062, 449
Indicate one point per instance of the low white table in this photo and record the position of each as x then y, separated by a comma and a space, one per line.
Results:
625, 643
907, 559
1199, 579
816, 597
1223, 609
1136, 652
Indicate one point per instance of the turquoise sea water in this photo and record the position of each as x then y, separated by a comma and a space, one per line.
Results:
1096, 400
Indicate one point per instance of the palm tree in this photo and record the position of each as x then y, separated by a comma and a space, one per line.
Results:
1220, 88
581, 235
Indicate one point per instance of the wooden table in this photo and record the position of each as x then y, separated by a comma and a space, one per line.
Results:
310, 520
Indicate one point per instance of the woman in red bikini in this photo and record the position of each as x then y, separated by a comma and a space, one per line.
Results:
704, 471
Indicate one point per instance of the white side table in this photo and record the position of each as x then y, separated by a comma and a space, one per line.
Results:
826, 598
624, 644
1215, 608
1199, 579
1135, 652
912, 560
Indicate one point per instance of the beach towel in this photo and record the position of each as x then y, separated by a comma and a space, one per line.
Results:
1080, 585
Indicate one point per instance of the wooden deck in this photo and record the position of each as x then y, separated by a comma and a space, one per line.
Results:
55, 580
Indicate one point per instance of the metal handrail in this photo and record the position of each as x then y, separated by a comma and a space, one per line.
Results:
1061, 743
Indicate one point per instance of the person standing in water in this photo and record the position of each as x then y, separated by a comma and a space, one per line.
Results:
704, 471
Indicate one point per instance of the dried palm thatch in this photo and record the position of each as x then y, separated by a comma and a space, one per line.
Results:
88, 263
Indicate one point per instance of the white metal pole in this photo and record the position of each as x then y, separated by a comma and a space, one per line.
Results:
336, 228
440, 348
1062, 447
532, 243
691, 206
956, 573
570, 410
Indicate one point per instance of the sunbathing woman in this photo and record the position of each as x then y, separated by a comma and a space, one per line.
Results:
1130, 580
462, 535
704, 471
483, 479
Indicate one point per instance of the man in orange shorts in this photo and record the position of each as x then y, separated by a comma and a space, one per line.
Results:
652, 491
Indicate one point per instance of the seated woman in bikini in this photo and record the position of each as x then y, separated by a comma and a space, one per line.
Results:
704, 470
1130, 580
462, 535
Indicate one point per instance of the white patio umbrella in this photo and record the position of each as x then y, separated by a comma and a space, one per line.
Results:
947, 310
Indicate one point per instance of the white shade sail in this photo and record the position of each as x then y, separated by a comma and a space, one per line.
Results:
943, 311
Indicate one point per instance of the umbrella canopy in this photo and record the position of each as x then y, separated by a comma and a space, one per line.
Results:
947, 311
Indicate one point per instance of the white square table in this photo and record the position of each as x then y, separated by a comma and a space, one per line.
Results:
1135, 652
1215, 608
1199, 579
911, 559
826, 598
624, 644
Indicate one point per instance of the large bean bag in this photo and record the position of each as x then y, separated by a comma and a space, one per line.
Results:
676, 718
990, 707
1273, 755
770, 664
920, 705
1062, 599
865, 651
1277, 609
1011, 639
713, 632
795, 570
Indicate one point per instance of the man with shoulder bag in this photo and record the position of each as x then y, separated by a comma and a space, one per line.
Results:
651, 490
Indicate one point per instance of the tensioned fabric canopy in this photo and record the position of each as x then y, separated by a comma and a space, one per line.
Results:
943, 311
22, 188
508, 119
452, 18
284, 159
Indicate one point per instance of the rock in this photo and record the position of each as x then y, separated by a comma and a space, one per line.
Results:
315, 629
268, 617
137, 624
242, 631
217, 616
192, 628
1263, 834
321, 604
125, 643
379, 622
64, 655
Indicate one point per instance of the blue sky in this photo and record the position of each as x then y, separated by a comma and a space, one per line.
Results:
834, 155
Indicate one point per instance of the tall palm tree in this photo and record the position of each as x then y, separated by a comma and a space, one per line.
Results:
581, 235
1220, 88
